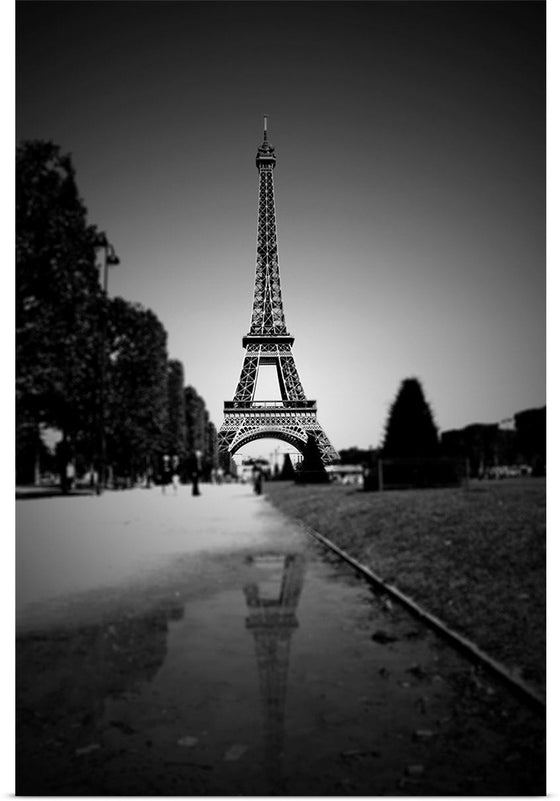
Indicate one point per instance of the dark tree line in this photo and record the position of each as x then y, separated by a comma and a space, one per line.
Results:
486, 445
530, 442
93, 368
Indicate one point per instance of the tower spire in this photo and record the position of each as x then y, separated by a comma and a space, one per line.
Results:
265, 153
268, 312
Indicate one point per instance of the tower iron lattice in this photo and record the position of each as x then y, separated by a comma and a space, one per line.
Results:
292, 418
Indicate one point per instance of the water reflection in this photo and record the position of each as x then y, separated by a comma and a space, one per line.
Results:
63, 680
166, 702
78, 688
272, 603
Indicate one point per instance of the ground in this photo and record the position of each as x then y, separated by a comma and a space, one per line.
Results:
177, 645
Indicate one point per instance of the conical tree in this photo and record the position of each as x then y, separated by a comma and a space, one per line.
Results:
312, 467
410, 431
288, 472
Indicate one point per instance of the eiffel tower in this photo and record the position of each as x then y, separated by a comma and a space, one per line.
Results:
292, 418
272, 621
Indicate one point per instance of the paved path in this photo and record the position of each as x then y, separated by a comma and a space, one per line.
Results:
79, 543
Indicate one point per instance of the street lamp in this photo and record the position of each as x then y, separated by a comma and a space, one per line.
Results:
110, 259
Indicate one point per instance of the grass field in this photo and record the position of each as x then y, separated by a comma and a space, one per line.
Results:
473, 557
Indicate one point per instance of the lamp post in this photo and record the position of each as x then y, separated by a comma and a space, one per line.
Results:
110, 259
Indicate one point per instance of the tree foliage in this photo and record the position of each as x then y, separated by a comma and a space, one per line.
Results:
201, 435
410, 431
530, 428
312, 468
482, 445
175, 433
211, 447
287, 473
136, 386
196, 419
355, 455
57, 294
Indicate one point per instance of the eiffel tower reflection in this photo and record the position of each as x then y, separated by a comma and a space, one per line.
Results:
272, 603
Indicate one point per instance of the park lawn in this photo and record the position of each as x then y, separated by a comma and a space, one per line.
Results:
473, 557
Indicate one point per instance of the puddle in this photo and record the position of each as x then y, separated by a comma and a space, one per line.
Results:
297, 680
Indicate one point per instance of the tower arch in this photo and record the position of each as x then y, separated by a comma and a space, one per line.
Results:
283, 436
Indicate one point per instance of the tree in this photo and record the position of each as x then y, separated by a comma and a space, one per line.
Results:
58, 298
530, 434
175, 435
481, 445
136, 387
356, 455
288, 472
312, 467
196, 419
410, 456
201, 435
410, 431
210, 449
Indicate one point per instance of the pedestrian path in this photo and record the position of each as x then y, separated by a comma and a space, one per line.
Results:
78, 543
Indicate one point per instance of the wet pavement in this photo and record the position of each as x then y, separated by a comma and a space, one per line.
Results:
268, 668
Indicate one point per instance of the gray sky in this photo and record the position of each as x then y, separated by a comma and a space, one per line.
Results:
410, 186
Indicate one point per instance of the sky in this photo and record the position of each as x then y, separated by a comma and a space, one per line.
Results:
410, 186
